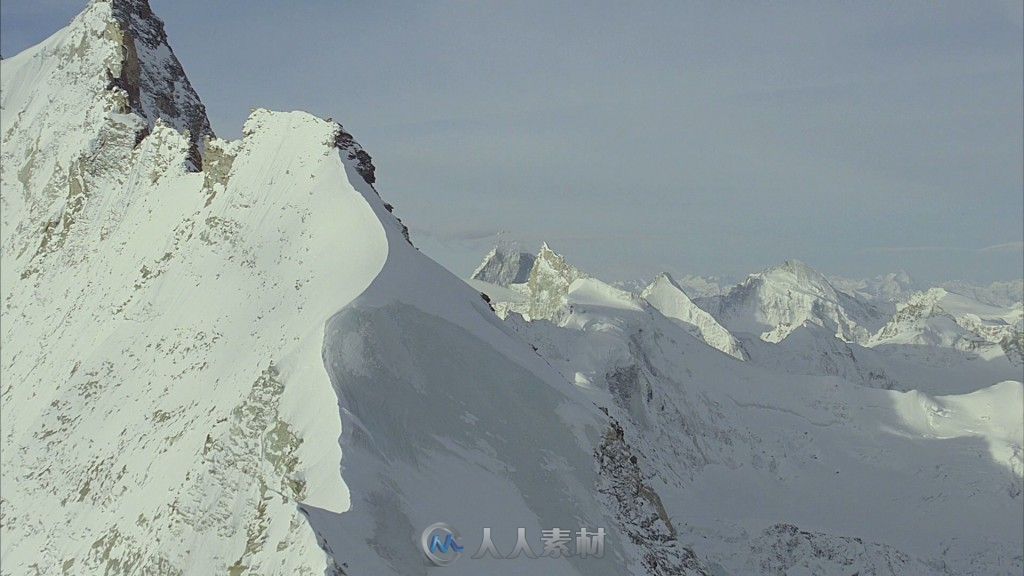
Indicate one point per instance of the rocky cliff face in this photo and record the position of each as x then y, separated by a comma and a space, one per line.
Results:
504, 266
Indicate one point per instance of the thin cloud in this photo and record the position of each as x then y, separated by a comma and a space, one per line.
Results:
1006, 247
909, 249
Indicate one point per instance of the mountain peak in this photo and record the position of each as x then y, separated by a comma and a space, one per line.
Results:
549, 262
665, 278
124, 45
668, 298
779, 300
76, 108
549, 282
504, 265
150, 73
800, 269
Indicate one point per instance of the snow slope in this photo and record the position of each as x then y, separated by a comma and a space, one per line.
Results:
248, 369
162, 371
765, 471
1000, 294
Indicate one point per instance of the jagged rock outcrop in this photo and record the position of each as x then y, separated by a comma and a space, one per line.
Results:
640, 510
939, 318
149, 73
784, 549
549, 282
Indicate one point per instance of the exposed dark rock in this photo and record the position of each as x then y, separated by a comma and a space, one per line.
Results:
640, 512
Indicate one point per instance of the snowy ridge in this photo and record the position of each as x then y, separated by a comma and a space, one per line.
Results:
1001, 294
201, 330
197, 386
668, 298
181, 391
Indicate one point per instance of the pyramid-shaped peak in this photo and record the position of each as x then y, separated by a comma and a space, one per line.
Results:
549, 263
125, 43
504, 265
666, 278
665, 295
548, 258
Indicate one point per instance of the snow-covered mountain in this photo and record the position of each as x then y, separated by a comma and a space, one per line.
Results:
666, 296
552, 288
227, 357
881, 290
1000, 294
938, 318
775, 302
759, 463
898, 287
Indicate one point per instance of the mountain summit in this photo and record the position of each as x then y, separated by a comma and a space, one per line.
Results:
775, 302
669, 299
505, 265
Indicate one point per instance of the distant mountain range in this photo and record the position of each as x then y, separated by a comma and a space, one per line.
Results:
227, 357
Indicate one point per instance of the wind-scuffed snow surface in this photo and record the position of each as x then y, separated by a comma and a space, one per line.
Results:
165, 405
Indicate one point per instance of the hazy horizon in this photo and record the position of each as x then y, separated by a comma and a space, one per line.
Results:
708, 140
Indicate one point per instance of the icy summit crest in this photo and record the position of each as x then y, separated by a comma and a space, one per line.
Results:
779, 300
666, 296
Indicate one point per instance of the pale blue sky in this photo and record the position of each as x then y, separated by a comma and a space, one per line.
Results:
707, 138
